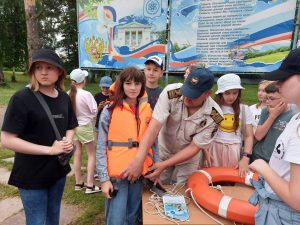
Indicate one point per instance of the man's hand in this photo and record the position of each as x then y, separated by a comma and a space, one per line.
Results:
134, 170
155, 171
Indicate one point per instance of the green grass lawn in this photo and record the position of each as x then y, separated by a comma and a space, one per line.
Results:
249, 94
269, 58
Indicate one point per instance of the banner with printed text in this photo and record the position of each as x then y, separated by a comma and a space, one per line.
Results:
231, 35
119, 33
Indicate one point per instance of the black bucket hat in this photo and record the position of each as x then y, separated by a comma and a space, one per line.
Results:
46, 55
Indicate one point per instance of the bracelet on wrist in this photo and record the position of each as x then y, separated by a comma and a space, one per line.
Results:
248, 155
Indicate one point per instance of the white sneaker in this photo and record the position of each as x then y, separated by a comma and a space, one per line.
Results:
91, 190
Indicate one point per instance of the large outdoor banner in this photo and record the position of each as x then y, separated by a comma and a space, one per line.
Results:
119, 33
224, 35
231, 35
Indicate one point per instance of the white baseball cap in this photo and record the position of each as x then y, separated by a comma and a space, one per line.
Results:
78, 75
227, 82
156, 60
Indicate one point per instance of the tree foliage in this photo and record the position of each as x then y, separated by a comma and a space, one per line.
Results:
13, 35
57, 29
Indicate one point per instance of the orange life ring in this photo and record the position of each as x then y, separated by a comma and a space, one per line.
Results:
215, 201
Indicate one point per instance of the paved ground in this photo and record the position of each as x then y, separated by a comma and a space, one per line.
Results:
11, 210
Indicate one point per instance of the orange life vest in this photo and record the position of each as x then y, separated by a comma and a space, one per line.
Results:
125, 131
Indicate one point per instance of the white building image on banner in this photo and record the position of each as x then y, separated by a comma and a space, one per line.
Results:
133, 35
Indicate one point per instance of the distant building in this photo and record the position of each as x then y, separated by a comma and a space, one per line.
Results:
133, 35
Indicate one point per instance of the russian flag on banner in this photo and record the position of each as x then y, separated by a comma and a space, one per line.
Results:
152, 8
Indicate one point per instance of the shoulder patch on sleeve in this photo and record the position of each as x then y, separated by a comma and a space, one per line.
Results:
176, 93
216, 116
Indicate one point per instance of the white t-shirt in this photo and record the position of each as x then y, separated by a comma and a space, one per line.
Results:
255, 113
286, 150
226, 133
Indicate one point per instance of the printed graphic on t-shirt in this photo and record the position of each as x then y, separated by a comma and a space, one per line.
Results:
58, 116
227, 124
279, 150
280, 125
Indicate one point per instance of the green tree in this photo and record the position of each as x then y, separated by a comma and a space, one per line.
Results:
13, 36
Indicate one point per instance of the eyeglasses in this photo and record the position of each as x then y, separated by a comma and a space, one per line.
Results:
271, 99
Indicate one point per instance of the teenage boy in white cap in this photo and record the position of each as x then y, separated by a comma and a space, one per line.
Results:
153, 71
186, 118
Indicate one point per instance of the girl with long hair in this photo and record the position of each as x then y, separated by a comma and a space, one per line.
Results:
27, 131
85, 108
121, 127
235, 131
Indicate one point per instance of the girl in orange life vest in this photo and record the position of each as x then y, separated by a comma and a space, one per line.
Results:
121, 126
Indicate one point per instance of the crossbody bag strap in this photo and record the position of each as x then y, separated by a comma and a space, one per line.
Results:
48, 112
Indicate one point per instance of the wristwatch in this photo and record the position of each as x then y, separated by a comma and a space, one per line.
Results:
248, 155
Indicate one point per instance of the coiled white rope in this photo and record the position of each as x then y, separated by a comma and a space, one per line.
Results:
157, 202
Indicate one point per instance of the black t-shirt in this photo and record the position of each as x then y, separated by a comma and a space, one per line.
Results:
26, 118
153, 94
99, 97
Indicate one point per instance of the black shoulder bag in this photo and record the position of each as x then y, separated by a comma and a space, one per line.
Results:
63, 158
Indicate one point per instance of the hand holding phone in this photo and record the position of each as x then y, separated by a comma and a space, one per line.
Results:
113, 192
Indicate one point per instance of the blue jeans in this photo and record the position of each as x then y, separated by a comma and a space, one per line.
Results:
42, 206
272, 210
124, 208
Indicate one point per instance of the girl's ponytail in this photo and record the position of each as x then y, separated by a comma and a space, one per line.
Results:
72, 95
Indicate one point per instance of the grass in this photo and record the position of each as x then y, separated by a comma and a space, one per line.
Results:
8, 191
91, 206
268, 58
11, 87
249, 94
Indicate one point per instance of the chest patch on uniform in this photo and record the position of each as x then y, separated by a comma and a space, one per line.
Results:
216, 116
176, 93
203, 123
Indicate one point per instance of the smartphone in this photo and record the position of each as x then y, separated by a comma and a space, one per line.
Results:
114, 192
157, 188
